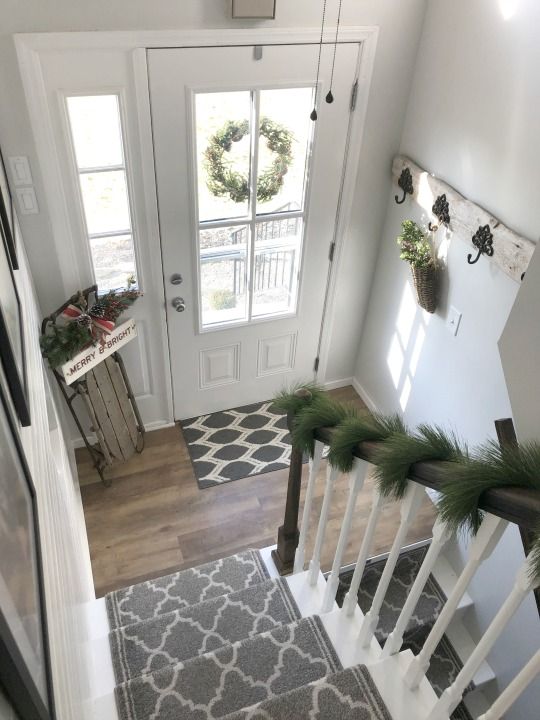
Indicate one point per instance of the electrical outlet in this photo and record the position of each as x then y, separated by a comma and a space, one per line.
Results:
453, 320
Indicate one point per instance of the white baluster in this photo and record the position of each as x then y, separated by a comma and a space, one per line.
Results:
409, 507
453, 695
351, 599
481, 547
518, 685
315, 564
314, 465
441, 535
356, 482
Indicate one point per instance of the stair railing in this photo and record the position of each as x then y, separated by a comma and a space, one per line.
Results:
501, 506
511, 693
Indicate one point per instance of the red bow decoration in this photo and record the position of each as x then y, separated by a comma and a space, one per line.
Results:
97, 325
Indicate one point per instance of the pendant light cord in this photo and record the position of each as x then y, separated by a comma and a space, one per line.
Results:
314, 111
335, 46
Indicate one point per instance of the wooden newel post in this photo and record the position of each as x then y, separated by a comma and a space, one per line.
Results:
288, 533
507, 437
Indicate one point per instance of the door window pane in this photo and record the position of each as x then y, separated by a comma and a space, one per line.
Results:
96, 132
276, 264
223, 123
105, 202
285, 132
95, 124
114, 261
223, 274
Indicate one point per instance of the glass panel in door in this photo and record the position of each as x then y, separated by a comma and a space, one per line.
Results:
250, 201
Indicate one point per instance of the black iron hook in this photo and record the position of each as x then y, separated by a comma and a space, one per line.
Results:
441, 210
483, 240
405, 182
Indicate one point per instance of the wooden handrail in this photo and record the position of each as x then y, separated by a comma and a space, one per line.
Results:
517, 505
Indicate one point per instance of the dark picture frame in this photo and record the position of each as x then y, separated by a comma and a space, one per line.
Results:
12, 352
25, 671
7, 217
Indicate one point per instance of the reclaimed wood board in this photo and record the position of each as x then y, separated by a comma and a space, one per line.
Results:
512, 252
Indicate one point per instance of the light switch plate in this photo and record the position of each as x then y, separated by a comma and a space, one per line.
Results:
27, 200
254, 9
20, 170
453, 320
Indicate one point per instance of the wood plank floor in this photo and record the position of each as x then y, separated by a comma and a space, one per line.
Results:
155, 520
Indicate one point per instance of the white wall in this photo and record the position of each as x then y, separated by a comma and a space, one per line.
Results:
471, 120
66, 560
400, 26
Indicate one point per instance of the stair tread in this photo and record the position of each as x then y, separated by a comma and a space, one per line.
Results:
219, 683
182, 589
177, 636
348, 695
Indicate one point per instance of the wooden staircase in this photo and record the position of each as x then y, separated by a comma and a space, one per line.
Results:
398, 677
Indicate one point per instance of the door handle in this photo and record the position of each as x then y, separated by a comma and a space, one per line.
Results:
176, 279
178, 304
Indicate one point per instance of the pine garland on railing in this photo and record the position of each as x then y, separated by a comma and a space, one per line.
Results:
466, 475
292, 400
323, 412
401, 451
359, 428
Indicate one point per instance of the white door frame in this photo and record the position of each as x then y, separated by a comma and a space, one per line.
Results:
134, 44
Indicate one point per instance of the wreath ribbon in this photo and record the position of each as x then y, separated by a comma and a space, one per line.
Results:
97, 325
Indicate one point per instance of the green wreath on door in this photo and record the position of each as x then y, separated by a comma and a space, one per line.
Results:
223, 181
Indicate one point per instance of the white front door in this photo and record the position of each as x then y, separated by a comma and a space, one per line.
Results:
248, 192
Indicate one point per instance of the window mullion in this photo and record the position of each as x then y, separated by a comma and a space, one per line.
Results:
101, 169
253, 193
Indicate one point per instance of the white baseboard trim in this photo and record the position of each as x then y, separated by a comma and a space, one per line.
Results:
363, 394
335, 384
78, 442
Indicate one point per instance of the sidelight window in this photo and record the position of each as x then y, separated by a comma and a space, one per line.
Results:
252, 151
96, 132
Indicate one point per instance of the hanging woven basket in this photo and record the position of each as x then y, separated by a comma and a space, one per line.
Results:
426, 285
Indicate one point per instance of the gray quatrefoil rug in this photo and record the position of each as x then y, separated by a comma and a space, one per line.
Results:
233, 444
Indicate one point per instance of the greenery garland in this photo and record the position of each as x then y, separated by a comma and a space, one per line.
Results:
359, 428
61, 342
224, 181
466, 475
400, 451
322, 412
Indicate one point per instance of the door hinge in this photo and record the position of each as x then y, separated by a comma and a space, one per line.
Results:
316, 364
331, 251
354, 95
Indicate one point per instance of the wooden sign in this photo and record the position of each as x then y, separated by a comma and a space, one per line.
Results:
93, 355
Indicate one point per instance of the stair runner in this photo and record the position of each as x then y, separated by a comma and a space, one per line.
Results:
223, 640
445, 663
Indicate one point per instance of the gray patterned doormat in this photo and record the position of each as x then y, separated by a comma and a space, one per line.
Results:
233, 444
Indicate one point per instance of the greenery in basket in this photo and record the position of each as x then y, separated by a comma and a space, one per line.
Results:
415, 247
